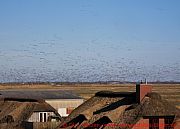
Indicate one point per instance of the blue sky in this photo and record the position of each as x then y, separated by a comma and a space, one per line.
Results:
89, 40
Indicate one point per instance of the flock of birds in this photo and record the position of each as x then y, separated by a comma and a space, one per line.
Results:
53, 61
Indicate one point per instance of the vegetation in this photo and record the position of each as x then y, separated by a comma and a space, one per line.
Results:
170, 92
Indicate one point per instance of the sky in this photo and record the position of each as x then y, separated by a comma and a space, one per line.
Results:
89, 40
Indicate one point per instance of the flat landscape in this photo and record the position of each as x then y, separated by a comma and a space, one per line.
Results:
170, 92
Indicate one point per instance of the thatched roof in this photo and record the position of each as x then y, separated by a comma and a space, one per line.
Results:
14, 112
117, 108
21, 111
152, 105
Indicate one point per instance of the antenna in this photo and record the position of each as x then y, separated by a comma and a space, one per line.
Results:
146, 81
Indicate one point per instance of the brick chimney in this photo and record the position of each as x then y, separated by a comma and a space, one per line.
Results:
142, 90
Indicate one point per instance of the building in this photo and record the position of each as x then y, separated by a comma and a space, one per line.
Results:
142, 109
43, 112
23, 113
63, 101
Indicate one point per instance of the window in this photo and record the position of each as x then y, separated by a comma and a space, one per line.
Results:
45, 117
154, 123
69, 110
168, 123
41, 117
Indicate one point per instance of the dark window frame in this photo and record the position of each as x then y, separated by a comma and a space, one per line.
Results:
154, 123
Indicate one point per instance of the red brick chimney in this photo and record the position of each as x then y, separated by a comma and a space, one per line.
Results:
141, 91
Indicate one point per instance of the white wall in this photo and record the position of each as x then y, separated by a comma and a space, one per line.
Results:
63, 112
35, 117
61, 105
